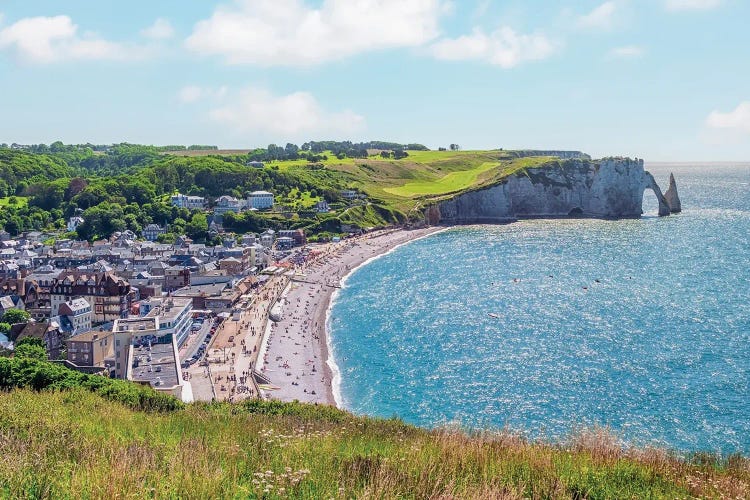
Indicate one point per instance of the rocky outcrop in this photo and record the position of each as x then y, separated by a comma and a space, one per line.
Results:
607, 188
673, 199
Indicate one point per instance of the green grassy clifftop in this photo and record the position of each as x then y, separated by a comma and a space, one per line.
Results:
74, 443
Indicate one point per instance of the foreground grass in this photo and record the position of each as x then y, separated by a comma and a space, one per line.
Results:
77, 444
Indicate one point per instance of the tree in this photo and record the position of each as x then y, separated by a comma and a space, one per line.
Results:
455, 147
30, 351
197, 228
4, 327
14, 316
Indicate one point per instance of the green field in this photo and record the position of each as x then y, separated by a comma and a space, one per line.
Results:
455, 181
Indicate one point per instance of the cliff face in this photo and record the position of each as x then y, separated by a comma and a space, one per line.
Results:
568, 188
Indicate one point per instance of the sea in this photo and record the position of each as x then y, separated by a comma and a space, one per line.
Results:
549, 328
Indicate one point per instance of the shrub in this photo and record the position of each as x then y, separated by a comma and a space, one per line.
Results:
30, 372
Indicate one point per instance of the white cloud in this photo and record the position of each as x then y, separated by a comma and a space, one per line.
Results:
289, 32
602, 17
691, 4
503, 47
190, 93
627, 52
53, 39
737, 120
293, 116
161, 30
193, 93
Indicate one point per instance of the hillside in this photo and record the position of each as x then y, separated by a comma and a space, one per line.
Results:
128, 186
66, 444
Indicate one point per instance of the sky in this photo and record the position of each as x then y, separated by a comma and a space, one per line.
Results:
664, 80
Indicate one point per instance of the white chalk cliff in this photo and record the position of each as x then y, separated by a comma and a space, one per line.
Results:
607, 188
673, 199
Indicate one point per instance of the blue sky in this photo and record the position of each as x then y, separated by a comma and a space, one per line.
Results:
657, 79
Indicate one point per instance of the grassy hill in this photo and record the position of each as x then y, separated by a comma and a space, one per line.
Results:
404, 185
75, 444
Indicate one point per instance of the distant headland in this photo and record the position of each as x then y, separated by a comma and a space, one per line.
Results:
576, 186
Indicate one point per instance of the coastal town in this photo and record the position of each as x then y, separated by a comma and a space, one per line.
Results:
242, 319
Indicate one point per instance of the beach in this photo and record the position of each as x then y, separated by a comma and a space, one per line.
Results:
294, 353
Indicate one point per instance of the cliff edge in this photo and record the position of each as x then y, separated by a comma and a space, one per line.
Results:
579, 187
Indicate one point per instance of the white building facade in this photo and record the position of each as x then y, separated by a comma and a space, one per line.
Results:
261, 200
189, 202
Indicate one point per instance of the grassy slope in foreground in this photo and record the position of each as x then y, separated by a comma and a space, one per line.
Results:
76, 444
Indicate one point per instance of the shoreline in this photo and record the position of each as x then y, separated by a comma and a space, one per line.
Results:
297, 352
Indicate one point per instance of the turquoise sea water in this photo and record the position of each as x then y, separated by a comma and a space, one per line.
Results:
642, 325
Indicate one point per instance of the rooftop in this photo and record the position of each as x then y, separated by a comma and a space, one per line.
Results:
155, 365
90, 336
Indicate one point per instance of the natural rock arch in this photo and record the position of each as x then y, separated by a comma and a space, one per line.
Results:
652, 185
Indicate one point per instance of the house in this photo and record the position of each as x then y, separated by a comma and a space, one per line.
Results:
267, 238
349, 194
261, 200
47, 332
90, 348
176, 277
189, 202
152, 231
255, 164
232, 266
110, 295
4, 235
227, 203
9, 302
75, 316
322, 207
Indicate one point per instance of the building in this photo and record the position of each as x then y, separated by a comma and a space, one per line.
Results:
349, 194
322, 207
267, 238
75, 316
297, 235
284, 243
9, 302
189, 202
160, 317
146, 354
45, 331
255, 164
216, 297
261, 200
174, 315
176, 277
152, 231
226, 204
109, 295
90, 348
232, 265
